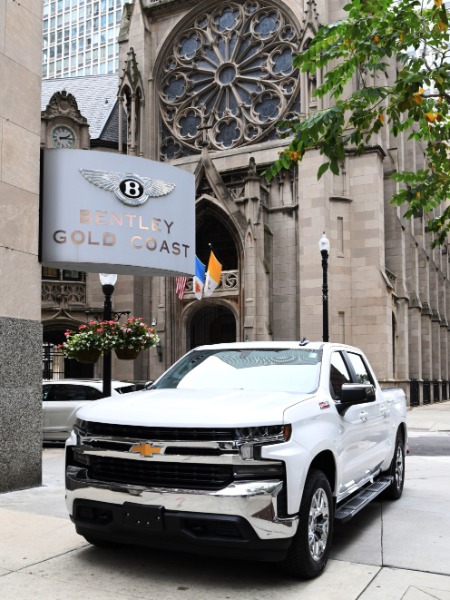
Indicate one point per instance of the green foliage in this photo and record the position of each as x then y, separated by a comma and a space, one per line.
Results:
416, 104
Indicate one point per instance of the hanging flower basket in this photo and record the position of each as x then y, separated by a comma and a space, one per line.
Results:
127, 353
92, 339
88, 356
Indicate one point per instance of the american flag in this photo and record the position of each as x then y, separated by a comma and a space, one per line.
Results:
181, 285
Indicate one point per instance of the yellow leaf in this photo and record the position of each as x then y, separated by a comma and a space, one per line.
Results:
375, 39
437, 3
401, 36
418, 194
442, 26
381, 117
418, 98
430, 117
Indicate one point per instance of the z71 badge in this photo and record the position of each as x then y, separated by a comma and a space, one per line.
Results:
130, 189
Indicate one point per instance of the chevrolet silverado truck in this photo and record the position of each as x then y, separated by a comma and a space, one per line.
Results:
250, 450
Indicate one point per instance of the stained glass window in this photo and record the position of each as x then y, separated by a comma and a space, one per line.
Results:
228, 78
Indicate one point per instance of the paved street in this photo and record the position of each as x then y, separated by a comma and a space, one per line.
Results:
391, 551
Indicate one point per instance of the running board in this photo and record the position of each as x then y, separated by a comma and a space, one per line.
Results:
358, 502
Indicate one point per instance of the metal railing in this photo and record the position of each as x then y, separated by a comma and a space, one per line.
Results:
228, 286
414, 399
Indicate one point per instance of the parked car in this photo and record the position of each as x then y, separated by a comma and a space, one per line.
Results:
62, 398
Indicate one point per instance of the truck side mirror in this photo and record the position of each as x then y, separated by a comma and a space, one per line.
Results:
355, 393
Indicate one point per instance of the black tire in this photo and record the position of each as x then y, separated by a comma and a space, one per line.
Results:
397, 469
308, 554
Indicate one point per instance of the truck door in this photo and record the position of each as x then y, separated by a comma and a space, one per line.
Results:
362, 425
375, 415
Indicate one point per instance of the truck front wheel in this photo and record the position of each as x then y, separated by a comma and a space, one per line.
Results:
308, 554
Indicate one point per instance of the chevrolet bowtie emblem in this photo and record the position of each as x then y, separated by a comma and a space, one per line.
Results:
145, 449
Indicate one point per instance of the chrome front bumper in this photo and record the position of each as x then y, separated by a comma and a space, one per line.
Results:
254, 501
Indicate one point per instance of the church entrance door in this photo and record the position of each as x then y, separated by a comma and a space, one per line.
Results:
212, 325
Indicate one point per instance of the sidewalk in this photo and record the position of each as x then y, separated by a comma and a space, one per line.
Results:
390, 551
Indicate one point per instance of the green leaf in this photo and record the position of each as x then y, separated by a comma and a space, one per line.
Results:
322, 169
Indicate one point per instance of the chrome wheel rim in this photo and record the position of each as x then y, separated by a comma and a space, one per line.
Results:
318, 524
399, 467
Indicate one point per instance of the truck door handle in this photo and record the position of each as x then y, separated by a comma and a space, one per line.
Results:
363, 414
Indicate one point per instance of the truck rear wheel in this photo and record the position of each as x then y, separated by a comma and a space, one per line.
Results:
308, 555
397, 469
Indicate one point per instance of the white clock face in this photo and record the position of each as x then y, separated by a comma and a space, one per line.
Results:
63, 137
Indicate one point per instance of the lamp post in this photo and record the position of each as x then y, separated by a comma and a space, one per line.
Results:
108, 281
324, 247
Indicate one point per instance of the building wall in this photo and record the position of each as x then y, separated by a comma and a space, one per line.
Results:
20, 328
388, 290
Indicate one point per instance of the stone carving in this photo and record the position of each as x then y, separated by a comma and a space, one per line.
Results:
63, 104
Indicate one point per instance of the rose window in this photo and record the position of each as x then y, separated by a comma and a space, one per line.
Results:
228, 79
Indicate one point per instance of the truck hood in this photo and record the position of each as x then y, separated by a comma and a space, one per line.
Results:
189, 408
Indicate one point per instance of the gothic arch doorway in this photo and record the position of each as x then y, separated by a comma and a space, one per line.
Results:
213, 324
213, 228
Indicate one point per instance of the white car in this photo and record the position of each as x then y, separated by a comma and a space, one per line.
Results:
62, 398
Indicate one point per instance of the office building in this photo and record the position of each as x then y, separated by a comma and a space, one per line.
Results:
80, 37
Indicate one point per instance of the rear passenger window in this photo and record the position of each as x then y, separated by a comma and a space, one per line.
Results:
338, 374
126, 389
92, 393
361, 371
67, 393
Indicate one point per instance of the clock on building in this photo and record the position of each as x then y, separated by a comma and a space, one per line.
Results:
63, 137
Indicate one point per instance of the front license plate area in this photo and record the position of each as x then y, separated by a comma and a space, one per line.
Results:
150, 518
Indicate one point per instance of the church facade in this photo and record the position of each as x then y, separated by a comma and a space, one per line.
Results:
203, 87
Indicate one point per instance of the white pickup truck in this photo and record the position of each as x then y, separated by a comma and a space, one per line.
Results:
250, 450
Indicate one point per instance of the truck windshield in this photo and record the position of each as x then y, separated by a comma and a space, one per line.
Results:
290, 370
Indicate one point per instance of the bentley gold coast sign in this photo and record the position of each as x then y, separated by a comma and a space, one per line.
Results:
112, 213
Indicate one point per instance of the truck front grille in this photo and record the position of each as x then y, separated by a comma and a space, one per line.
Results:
163, 434
160, 474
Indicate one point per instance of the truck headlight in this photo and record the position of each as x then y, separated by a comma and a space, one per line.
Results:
264, 434
250, 439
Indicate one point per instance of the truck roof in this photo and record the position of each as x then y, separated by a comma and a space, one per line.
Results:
316, 345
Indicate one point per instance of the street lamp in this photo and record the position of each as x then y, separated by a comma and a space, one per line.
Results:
108, 281
324, 247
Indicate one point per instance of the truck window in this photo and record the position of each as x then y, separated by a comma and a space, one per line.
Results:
338, 375
361, 372
287, 369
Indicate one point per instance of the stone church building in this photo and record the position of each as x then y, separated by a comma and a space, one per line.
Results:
202, 85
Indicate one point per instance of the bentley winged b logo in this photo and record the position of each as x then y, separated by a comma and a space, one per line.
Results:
130, 189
